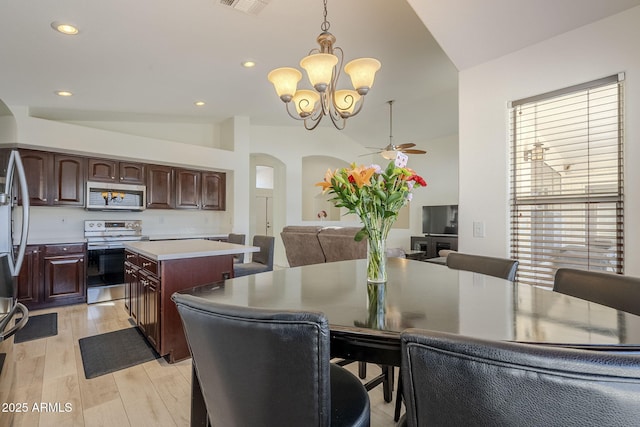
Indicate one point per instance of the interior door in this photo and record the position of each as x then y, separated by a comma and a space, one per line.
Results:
264, 215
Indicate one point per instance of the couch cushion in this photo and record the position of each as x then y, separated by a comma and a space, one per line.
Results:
338, 244
301, 245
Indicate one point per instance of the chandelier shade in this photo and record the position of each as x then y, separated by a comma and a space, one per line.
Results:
323, 66
285, 80
362, 72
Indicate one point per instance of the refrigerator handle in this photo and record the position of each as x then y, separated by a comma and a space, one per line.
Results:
21, 323
15, 165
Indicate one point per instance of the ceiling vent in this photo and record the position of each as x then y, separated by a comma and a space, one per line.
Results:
252, 7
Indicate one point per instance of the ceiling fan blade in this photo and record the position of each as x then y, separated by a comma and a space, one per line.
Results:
413, 151
406, 145
369, 154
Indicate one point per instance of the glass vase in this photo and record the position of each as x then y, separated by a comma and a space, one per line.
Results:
376, 259
376, 305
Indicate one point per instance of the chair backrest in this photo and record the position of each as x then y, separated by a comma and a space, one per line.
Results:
259, 367
301, 245
237, 239
613, 290
453, 380
265, 256
497, 267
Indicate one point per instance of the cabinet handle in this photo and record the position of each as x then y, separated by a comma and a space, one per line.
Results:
146, 264
64, 249
55, 200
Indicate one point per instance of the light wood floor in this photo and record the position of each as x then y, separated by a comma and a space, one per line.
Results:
154, 394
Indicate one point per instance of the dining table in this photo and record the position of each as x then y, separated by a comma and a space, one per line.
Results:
366, 319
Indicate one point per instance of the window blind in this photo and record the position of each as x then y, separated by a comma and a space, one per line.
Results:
567, 207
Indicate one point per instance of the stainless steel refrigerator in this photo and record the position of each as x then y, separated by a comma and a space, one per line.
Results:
13, 315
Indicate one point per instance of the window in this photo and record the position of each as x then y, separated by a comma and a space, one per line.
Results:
567, 181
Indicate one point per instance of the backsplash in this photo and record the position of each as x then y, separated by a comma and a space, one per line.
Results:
63, 223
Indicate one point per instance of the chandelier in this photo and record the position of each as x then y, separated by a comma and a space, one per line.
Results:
323, 70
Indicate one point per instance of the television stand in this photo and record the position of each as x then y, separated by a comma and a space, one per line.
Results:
432, 244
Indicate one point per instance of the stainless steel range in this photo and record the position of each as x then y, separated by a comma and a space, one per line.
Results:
105, 256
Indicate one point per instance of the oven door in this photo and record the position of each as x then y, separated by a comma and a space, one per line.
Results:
105, 272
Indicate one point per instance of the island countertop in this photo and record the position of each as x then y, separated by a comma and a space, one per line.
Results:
160, 250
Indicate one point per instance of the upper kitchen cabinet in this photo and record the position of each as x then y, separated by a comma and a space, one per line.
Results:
214, 191
200, 189
104, 170
188, 189
54, 178
160, 187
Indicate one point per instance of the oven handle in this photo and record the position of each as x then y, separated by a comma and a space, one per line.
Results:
25, 318
100, 246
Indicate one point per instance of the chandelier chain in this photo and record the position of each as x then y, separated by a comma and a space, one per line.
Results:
325, 24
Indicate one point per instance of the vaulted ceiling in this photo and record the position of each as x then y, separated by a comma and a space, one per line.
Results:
150, 60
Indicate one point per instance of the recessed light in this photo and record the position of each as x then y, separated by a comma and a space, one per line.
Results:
63, 93
248, 64
199, 103
63, 28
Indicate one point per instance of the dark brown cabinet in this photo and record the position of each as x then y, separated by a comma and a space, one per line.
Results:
132, 286
54, 178
150, 313
188, 189
104, 170
60, 179
30, 278
160, 187
53, 275
200, 190
69, 176
214, 187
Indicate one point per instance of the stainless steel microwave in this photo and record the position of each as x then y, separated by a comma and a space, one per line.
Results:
104, 196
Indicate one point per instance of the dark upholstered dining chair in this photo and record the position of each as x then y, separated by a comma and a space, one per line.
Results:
496, 267
268, 368
613, 290
453, 380
238, 239
260, 261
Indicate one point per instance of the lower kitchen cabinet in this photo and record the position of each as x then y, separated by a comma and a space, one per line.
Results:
30, 278
53, 275
150, 285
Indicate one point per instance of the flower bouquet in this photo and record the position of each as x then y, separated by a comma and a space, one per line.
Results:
376, 196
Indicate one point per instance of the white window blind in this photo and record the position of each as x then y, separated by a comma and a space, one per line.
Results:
567, 181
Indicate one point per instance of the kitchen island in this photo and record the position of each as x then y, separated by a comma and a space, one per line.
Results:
154, 270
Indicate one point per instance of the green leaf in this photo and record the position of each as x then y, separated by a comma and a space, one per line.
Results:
361, 235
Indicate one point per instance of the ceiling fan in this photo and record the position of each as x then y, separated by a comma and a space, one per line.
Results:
389, 152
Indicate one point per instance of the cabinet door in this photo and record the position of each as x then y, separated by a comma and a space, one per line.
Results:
160, 187
132, 290
214, 191
38, 167
102, 170
131, 173
187, 189
69, 180
152, 310
30, 278
64, 278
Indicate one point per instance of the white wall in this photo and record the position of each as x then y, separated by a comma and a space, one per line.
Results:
288, 145
597, 50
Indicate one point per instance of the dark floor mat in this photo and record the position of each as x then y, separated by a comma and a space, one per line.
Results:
39, 326
113, 351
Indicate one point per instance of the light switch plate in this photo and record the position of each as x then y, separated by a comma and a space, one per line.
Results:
478, 229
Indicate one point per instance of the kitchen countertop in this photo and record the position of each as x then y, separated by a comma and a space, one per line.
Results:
188, 236
53, 240
160, 250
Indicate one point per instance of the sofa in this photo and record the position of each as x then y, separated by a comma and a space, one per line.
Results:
306, 245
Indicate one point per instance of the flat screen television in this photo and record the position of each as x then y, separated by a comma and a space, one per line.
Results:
440, 220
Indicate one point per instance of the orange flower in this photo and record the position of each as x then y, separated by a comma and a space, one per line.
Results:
361, 175
326, 184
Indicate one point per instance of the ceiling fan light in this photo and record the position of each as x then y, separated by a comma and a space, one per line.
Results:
346, 100
319, 68
285, 81
305, 102
362, 72
389, 154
